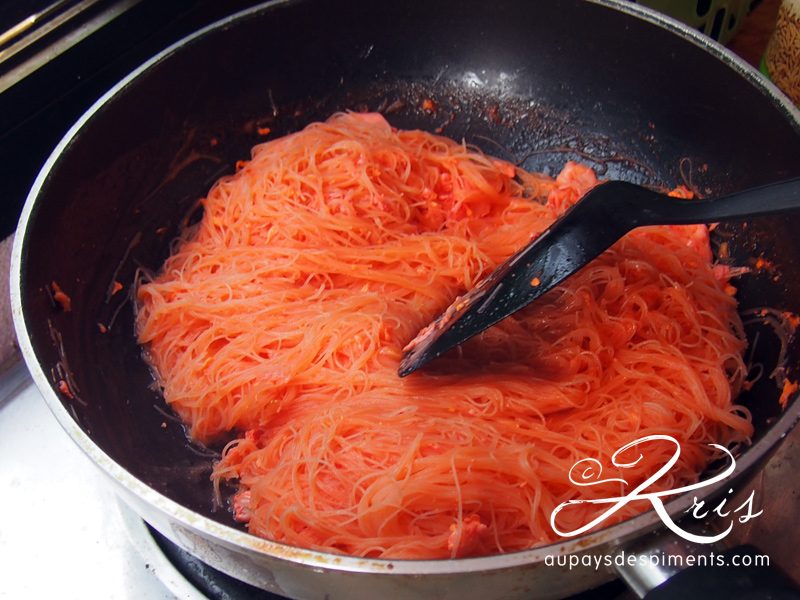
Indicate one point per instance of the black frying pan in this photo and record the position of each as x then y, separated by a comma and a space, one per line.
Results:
537, 83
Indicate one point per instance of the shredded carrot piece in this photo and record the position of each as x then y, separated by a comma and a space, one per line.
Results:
789, 389
506, 168
465, 536
681, 192
791, 318
63, 387
60, 297
279, 320
570, 185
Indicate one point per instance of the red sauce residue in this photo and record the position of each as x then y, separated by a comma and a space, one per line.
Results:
763, 264
428, 105
536, 282
102, 328
60, 297
264, 130
115, 287
493, 113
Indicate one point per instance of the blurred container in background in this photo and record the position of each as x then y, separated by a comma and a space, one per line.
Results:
781, 60
718, 19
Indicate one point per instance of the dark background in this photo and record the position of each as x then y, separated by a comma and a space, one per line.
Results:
36, 112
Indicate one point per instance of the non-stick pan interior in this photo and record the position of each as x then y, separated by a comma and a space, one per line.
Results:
537, 83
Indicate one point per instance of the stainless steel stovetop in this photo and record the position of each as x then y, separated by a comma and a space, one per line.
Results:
63, 533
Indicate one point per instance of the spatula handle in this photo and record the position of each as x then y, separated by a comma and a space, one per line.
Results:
772, 199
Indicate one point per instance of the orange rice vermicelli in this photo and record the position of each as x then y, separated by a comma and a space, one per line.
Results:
279, 320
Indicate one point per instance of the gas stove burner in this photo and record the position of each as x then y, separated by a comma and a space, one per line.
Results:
58, 56
213, 584
189, 578
186, 576
34, 33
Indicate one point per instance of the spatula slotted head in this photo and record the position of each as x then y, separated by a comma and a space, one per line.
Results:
586, 230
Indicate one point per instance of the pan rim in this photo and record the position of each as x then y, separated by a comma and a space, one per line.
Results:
616, 534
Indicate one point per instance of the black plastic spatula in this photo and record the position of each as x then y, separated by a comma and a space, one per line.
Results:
600, 218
